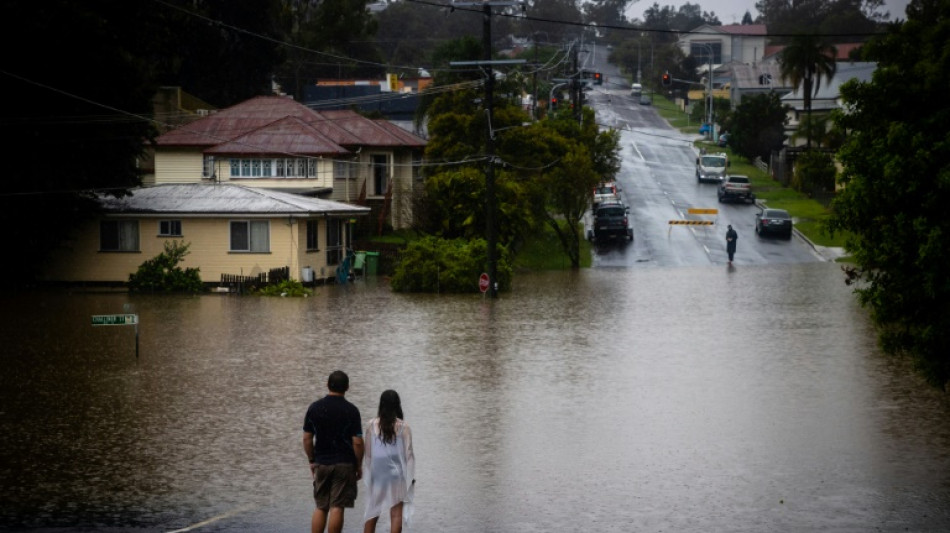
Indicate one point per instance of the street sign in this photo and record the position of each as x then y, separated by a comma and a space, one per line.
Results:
702, 211
483, 282
115, 320
691, 222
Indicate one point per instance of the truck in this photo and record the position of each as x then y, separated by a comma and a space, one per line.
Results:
711, 167
610, 221
606, 191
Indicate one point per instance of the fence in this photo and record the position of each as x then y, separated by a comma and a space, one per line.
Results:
242, 284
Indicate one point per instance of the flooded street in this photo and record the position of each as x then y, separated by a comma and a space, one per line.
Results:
654, 399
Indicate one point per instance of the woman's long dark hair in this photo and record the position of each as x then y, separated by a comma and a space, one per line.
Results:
390, 408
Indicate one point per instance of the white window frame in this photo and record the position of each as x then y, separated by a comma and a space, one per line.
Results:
166, 228
255, 237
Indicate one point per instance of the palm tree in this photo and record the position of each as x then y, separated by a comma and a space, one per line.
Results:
804, 62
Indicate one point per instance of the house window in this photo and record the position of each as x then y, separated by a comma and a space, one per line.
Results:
169, 228
207, 167
380, 174
267, 168
119, 236
417, 166
250, 236
334, 241
313, 237
341, 170
700, 51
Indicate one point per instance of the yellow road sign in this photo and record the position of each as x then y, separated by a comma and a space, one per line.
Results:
702, 211
691, 222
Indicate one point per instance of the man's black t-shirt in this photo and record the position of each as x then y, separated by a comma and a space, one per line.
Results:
334, 421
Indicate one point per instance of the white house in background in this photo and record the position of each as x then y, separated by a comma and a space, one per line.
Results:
740, 43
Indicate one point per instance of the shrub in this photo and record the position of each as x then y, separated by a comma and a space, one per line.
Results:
162, 273
439, 265
289, 287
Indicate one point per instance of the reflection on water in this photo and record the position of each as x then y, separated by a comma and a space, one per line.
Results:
693, 399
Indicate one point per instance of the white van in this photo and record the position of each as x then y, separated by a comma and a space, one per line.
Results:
637, 89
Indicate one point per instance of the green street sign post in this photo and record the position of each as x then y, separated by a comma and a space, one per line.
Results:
127, 319
115, 320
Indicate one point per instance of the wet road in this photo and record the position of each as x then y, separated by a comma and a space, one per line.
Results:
658, 178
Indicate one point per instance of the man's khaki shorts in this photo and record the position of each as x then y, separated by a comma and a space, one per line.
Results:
335, 486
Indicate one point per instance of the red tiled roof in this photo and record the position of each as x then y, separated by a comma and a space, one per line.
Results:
342, 128
287, 135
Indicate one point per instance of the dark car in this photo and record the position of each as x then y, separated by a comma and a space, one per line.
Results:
774, 222
610, 221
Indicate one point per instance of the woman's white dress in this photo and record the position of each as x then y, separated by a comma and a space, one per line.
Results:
388, 471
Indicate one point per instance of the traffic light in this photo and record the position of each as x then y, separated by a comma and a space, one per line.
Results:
598, 79
553, 103
667, 80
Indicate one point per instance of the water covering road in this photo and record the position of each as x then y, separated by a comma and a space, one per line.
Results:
657, 399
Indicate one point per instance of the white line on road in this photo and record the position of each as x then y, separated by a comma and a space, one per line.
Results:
637, 150
214, 519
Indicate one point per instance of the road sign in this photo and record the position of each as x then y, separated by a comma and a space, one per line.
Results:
691, 222
483, 282
115, 320
702, 211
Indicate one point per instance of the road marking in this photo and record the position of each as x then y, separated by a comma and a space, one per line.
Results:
637, 150
214, 519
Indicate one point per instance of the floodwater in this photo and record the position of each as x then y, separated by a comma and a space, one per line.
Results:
704, 399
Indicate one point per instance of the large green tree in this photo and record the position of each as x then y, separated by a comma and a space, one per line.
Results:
327, 39
896, 178
757, 125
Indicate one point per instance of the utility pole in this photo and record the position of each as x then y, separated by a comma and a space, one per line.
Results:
534, 76
491, 230
576, 86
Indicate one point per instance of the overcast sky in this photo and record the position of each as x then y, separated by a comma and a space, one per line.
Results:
731, 11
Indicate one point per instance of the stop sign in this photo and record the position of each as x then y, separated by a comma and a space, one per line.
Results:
483, 282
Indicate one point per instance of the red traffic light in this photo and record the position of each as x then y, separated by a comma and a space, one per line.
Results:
553, 103
667, 80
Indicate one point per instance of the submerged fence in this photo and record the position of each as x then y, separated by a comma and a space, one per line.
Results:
242, 284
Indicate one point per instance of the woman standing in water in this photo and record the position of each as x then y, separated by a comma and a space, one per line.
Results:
388, 466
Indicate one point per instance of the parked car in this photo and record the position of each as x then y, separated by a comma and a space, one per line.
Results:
645, 99
734, 186
724, 139
704, 129
610, 221
773, 222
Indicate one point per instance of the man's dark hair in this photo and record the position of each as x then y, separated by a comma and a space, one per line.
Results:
338, 382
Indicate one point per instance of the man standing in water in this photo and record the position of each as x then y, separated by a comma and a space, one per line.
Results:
731, 237
333, 442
